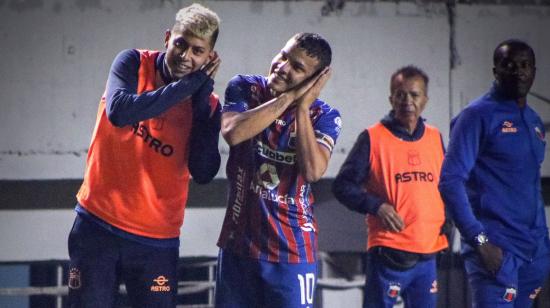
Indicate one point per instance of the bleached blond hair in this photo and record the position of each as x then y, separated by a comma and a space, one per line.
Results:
199, 20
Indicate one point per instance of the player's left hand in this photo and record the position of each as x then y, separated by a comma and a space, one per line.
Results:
390, 218
314, 91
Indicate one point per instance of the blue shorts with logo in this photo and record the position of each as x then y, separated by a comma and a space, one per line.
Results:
417, 285
516, 284
100, 260
247, 282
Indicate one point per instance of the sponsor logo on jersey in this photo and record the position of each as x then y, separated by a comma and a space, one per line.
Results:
159, 284
271, 195
394, 289
508, 127
74, 281
239, 196
416, 176
338, 122
308, 227
281, 157
268, 176
280, 122
510, 294
535, 293
157, 145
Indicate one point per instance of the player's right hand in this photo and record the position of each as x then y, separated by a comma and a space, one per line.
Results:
491, 256
389, 218
211, 67
298, 91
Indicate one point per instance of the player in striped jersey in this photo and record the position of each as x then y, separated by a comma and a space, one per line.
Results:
281, 137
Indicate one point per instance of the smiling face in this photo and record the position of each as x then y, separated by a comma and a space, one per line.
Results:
185, 53
514, 71
290, 67
408, 99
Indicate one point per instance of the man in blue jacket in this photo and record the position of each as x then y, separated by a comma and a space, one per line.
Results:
490, 181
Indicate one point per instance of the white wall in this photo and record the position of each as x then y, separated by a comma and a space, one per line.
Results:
479, 30
57, 55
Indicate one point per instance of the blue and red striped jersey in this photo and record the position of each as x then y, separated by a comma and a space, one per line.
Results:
269, 211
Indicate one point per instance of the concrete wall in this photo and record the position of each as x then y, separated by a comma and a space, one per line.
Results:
56, 56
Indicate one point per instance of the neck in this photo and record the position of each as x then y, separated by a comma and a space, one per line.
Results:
408, 125
521, 102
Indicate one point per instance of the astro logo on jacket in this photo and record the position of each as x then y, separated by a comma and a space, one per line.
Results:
508, 127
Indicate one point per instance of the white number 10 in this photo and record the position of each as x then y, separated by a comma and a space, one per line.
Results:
307, 285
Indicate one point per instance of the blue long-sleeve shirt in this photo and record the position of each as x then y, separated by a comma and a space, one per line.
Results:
124, 107
490, 179
348, 186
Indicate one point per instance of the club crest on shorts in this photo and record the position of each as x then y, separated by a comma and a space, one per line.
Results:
394, 289
510, 294
74, 279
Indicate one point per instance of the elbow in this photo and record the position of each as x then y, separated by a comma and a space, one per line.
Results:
337, 189
203, 179
230, 137
116, 119
312, 176
444, 186
204, 174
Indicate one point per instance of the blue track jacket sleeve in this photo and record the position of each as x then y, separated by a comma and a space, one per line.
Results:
204, 156
124, 106
467, 132
348, 187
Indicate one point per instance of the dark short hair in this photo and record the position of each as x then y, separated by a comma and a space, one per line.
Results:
513, 44
408, 72
315, 46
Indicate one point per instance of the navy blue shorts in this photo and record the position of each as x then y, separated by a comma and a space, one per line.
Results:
247, 282
417, 285
101, 260
517, 283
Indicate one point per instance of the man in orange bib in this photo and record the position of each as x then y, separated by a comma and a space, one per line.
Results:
158, 123
391, 174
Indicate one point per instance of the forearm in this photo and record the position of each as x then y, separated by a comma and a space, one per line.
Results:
349, 185
204, 156
353, 195
312, 158
453, 192
125, 107
240, 126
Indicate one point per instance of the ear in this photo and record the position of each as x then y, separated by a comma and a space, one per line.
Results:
167, 38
